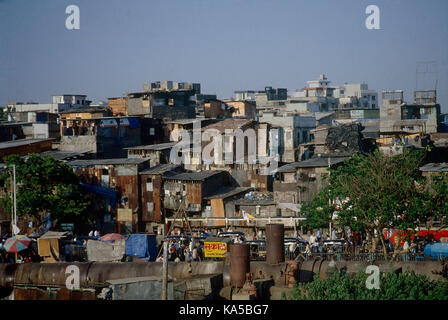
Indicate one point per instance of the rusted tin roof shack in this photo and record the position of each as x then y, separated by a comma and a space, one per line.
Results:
245, 174
152, 193
105, 136
120, 175
433, 170
156, 153
191, 188
24, 147
222, 203
300, 181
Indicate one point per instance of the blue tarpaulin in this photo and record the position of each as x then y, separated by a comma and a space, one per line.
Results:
436, 250
134, 123
142, 246
104, 192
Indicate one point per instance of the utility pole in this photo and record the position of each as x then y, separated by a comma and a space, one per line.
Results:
329, 200
14, 229
12, 206
15, 196
165, 269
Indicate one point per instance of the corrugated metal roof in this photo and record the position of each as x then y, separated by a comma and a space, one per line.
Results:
119, 161
290, 167
159, 146
435, 167
186, 121
62, 155
319, 162
21, 142
321, 115
160, 169
195, 176
291, 206
249, 202
225, 192
85, 110
233, 123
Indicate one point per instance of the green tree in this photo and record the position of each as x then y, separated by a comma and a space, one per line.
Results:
320, 210
45, 185
377, 191
393, 286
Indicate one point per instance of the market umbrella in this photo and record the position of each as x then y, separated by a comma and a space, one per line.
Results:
112, 237
17, 243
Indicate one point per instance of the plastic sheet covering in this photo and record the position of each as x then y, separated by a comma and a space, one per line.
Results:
108, 123
346, 137
436, 250
105, 251
142, 246
134, 123
104, 192
124, 122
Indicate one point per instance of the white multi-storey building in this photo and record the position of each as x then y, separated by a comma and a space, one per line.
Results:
60, 103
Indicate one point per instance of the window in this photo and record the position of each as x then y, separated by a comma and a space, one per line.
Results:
305, 136
373, 98
373, 105
149, 185
151, 131
150, 206
279, 212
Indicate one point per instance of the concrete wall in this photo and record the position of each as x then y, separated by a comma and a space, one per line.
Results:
312, 180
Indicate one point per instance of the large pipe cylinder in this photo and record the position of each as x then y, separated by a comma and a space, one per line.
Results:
94, 274
275, 246
239, 263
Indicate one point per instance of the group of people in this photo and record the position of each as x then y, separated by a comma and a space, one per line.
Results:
352, 241
94, 233
24, 256
357, 242
184, 250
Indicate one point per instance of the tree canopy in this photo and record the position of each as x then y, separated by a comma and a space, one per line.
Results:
44, 185
377, 191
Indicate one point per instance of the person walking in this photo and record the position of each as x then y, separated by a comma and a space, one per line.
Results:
313, 243
406, 251
318, 235
292, 249
307, 250
194, 254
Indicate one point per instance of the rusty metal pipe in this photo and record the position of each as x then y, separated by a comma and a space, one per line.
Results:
239, 263
95, 274
275, 246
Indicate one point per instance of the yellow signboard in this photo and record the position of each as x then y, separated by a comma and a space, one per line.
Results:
124, 215
215, 249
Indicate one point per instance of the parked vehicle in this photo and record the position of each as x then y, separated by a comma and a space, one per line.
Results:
333, 246
257, 249
233, 234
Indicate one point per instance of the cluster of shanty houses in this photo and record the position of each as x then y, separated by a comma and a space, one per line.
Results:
123, 150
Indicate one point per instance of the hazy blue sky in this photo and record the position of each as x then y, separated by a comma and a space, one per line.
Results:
225, 45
